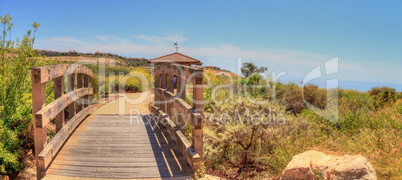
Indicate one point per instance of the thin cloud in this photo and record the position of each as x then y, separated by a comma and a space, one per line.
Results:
296, 63
160, 39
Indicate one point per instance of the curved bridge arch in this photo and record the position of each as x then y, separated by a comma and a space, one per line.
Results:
74, 148
42, 115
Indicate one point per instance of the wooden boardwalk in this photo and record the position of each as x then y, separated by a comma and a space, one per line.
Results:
120, 139
112, 146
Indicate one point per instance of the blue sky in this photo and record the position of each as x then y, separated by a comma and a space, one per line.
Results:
285, 36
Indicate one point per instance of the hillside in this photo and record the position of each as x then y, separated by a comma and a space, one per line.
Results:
218, 71
73, 56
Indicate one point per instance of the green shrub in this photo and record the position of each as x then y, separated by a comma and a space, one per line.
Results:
134, 81
383, 96
16, 131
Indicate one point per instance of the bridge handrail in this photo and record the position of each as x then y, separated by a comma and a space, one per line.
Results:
186, 148
78, 76
51, 149
44, 116
166, 100
47, 73
182, 106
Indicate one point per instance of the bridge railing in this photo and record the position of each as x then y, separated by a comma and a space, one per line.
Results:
171, 106
79, 91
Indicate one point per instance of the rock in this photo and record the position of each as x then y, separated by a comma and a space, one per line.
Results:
317, 165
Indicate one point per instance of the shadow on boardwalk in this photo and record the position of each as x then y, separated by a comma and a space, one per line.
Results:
120, 146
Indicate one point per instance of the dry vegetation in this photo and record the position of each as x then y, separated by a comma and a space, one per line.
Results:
370, 124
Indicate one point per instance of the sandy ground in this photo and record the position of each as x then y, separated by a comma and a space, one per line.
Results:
129, 103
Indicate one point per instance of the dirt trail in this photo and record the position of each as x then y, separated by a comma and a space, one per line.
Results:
129, 103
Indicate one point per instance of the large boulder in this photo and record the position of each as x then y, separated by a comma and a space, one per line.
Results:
317, 165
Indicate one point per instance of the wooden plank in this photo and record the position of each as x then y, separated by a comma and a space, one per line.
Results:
105, 134
165, 121
120, 175
109, 164
186, 149
109, 151
159, 169
184, 110
189, 112
116, 153
43, 117
116, 158
121, 159
48, 73
182, 107
115, 146
49, 152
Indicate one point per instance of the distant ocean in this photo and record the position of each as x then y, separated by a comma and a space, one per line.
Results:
365, 86
355, 85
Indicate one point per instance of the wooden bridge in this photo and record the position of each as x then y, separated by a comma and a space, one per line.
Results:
96, 140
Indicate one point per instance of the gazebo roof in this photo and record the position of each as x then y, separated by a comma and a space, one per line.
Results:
175, 58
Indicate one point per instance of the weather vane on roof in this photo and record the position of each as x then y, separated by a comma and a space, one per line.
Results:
177, 46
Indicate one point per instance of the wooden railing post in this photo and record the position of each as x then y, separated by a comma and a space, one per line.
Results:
156, 97
71, 87
181, 121
86, 99
170, 87
89, 87
198, 105
156, 83
181, 86
163, 82
80, 84
170, 80
163, 100
59, 91
198, 95
160, 93
164, 86
156, 91
160, 98
38, 102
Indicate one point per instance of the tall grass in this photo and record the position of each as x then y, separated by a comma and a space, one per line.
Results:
370, 124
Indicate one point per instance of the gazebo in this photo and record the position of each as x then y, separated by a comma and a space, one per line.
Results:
176, 57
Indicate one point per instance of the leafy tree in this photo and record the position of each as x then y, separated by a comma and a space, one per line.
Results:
249, 69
